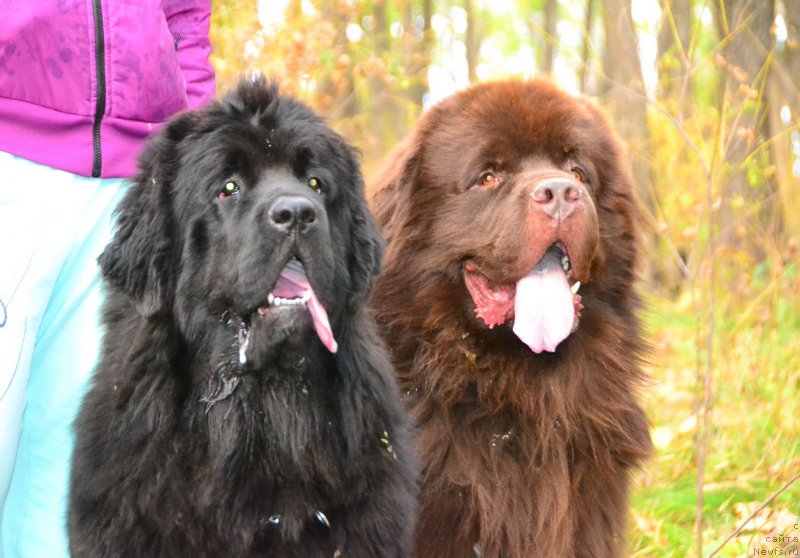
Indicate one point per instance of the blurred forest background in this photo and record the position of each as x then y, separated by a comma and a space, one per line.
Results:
706, 96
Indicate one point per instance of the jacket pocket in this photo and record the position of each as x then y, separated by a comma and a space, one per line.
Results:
146, 81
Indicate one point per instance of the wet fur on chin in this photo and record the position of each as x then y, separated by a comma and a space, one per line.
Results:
523, 455
181, 451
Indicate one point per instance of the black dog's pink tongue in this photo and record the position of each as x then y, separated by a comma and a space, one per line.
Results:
293, 283
543, 309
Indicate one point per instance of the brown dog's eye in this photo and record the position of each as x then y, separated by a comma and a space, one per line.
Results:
578, 174
230, 189
488, 179
315, 184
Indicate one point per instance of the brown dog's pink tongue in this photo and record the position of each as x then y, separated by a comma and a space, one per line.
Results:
293, 283
543, 309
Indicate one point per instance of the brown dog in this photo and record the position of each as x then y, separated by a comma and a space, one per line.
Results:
507, 201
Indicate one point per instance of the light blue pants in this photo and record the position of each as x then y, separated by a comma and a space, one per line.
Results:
53, 225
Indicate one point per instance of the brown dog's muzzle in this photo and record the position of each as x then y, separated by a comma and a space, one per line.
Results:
560, 210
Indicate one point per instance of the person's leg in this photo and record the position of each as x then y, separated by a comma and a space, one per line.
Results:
34, 241
65, 353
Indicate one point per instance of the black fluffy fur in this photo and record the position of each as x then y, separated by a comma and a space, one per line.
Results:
183, 451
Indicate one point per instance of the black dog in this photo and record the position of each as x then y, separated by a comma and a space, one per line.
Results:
243, 404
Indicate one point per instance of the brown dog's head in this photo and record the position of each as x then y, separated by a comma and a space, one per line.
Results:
506, 199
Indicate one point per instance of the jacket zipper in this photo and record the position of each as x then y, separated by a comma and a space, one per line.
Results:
100, 63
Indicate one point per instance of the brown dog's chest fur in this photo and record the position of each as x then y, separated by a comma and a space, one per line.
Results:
512, 454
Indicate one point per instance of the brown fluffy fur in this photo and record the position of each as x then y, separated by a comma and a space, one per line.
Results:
523, 455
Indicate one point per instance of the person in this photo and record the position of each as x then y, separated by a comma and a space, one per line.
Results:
82, 86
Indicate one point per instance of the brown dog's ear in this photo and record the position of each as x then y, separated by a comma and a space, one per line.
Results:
142, 256
391, 188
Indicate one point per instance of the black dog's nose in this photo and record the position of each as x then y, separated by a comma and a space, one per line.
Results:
557, 197
290, 213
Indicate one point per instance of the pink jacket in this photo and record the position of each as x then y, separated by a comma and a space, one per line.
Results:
83, 83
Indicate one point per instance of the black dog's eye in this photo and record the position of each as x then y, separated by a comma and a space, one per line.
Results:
315, 184
230, 189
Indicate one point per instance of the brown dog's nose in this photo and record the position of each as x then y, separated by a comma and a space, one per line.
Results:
292, 213
557, 197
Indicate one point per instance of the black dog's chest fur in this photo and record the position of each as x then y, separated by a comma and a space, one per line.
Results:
201, 456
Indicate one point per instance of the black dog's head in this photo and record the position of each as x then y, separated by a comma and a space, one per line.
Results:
248, 214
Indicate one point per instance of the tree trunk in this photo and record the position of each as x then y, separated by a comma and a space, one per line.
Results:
586, 62
337, 98
472, 42
673, 43
784, 121
381, 33
623, 89
745, 31
421, 57
550, 23
379, 129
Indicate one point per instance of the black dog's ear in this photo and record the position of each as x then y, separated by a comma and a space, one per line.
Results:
365, 255
142, 256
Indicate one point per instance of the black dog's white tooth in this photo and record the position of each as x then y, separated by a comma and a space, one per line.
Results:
243, 339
